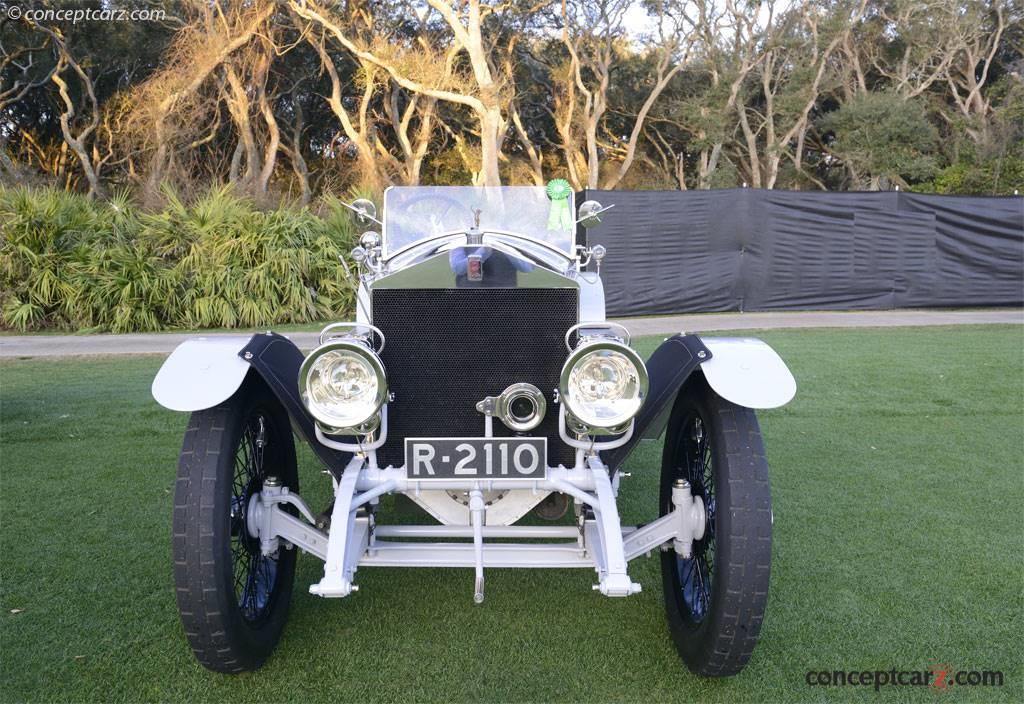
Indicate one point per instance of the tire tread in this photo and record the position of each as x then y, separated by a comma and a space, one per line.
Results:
733, 627
203, 603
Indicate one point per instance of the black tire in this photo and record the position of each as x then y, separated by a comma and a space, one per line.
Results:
715, 601
233, 601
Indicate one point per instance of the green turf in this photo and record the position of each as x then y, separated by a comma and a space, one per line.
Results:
898, 483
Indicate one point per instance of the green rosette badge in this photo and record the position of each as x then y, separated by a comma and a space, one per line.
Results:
560, 216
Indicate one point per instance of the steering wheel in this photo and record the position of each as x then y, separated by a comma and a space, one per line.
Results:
449, 204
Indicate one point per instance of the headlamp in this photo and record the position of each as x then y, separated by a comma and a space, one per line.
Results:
343, 385
603, 385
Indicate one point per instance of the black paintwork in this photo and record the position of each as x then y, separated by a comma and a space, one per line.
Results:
277, 360
668, 369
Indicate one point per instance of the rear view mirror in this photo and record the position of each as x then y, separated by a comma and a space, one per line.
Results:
365, 212
590, 213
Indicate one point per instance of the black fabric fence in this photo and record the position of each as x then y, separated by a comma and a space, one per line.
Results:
748, 249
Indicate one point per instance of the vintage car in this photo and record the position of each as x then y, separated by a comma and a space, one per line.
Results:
481, 379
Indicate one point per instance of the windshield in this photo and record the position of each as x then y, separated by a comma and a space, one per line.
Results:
414, 213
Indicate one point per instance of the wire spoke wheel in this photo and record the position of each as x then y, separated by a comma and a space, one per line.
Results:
715, 598
694, 464
233, 599
255, 574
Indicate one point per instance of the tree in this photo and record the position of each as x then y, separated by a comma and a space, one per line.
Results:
24, 67
884, 139
78, 137
411, 116
288, 98
432, 74
796, 48
725, 53
112, 55
594, 38
172, 113
981, 30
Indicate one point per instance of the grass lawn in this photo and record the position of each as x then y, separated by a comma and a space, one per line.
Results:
898, 483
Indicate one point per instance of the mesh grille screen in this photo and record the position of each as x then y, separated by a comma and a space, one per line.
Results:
449, 348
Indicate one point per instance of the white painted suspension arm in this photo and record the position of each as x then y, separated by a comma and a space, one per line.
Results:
348, 538
683, 525
608, 552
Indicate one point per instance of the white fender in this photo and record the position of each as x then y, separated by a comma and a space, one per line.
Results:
200, 373
748, 372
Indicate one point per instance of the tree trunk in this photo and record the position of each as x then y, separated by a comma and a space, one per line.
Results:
664, 77
236, 162
772, 168
77, 143
273, 132
708, 165
753, 160
299, 165
491, 127
532, 153
415, 163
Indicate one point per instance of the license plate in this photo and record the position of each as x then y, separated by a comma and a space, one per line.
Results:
476, 458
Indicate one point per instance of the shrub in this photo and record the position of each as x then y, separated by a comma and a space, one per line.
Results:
68, 262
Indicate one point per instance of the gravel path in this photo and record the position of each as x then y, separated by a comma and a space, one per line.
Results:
163, 343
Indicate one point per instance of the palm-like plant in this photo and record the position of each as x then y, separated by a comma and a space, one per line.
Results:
68, 262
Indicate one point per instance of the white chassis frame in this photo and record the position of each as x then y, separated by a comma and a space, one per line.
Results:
600, 543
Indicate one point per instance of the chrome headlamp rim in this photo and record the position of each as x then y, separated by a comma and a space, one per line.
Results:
585, 347
362, 349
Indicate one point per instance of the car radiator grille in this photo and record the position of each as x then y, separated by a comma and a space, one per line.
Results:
447, 349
